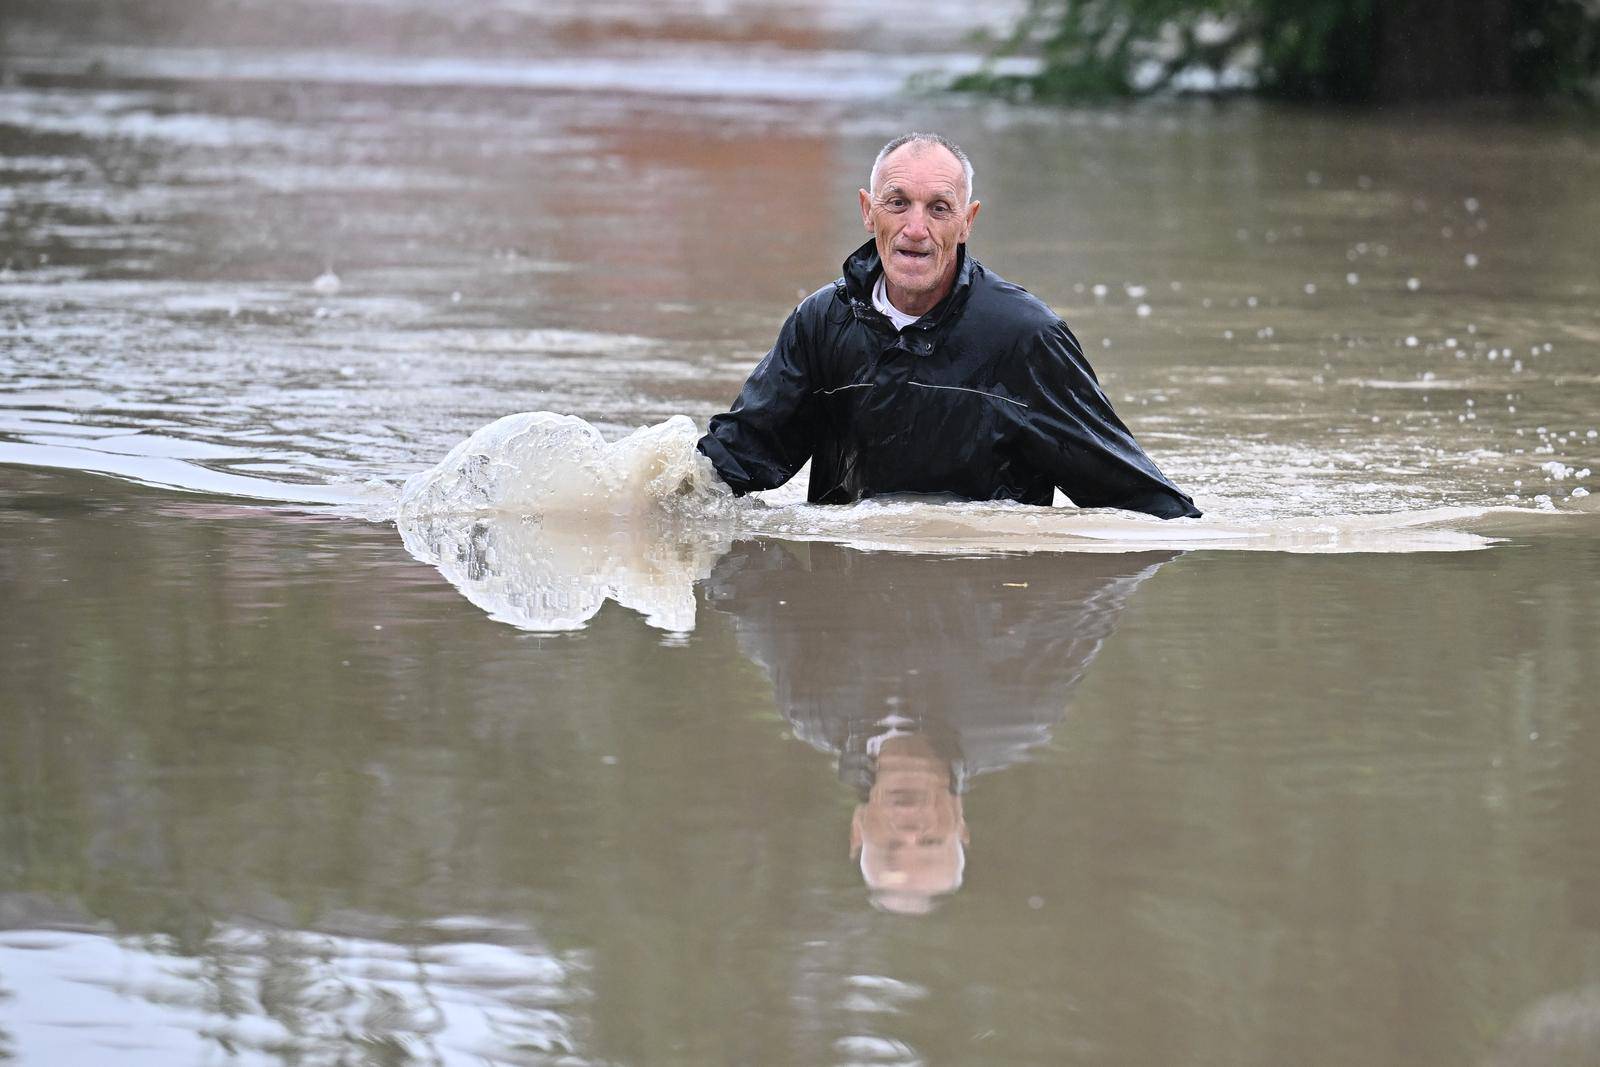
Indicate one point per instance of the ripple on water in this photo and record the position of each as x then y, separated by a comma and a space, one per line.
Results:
320, 997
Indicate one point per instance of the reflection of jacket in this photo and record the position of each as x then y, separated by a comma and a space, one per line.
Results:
986, 397
982, 651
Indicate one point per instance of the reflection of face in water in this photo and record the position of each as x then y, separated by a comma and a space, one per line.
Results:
919, 674
909, 835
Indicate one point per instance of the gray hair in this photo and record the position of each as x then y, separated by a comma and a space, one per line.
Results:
920, 138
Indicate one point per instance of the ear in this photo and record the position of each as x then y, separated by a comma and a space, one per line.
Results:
866, 208
855, 832
972, 216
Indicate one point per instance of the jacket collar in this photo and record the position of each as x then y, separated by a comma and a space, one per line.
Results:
863, 266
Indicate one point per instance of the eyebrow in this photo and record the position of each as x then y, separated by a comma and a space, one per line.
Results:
947, 193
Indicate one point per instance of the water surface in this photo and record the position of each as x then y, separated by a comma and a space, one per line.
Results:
284, 781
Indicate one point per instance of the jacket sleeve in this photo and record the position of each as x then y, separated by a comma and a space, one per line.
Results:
771, 430
1071, 434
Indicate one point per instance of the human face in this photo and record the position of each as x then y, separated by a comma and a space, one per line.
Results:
910, 835
919, 216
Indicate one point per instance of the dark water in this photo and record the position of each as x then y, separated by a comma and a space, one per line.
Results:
272, 790
281, 783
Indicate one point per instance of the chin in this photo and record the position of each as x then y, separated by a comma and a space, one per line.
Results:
916, 284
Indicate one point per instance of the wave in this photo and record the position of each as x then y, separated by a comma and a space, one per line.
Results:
538, 520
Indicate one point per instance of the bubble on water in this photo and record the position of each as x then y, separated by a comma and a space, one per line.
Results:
1471, 204
1143, 311
1311, 288
1227, 335
1579, 492
327, 283
1470, 259
1555, 470
1411, 342
1099, 290
1413, 284
1134, 291
1352, 278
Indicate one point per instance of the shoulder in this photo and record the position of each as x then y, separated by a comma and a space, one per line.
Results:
1006, 310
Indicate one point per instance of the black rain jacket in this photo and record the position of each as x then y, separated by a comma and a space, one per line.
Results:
986, 397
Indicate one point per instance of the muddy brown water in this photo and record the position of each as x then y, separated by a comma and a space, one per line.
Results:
274, 790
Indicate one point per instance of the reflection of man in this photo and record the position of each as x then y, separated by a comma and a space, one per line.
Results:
919, 673
919, 371
909, 834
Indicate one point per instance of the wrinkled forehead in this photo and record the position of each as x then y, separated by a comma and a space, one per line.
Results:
922, 163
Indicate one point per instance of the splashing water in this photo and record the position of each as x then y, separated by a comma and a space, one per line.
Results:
538, 520
541, 463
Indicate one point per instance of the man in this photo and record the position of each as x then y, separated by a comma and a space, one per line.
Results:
920, 371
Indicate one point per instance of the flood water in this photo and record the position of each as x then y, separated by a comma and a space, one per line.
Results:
290, 774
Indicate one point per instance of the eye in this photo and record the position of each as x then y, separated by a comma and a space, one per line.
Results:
940, 209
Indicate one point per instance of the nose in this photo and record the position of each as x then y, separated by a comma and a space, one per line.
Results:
916, 227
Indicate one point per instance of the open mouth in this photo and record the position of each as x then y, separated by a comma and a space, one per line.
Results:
915, 257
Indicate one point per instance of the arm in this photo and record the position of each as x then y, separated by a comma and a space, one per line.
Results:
1071, 433
771, 430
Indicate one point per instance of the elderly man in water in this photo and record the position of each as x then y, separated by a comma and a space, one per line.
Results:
919, 371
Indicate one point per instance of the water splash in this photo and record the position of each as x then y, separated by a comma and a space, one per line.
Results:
544, 464
538, 520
